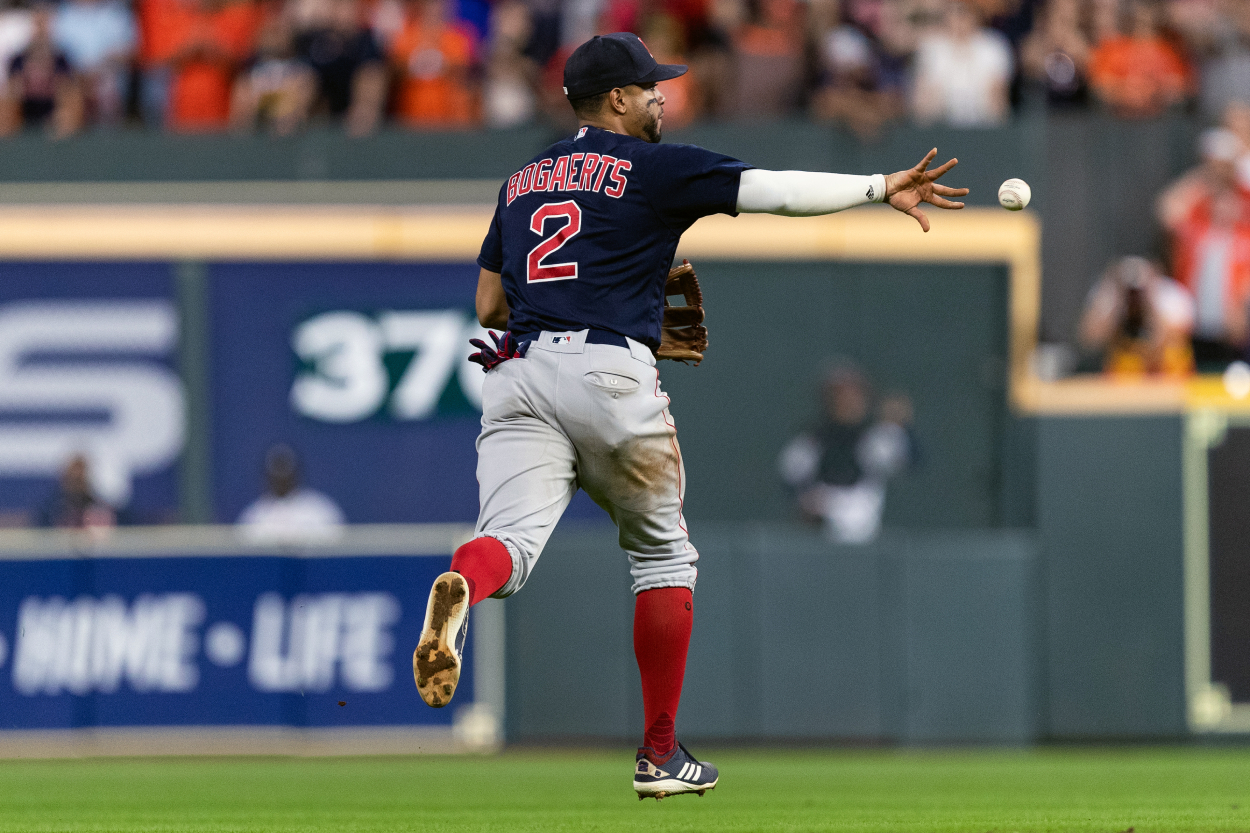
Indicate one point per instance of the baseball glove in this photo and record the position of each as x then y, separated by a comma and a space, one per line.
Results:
683, 338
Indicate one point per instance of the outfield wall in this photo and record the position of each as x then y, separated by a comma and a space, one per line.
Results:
920, 638
198, 640
986, 636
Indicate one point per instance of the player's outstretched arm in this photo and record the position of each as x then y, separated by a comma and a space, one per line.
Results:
805, 193
808, 194
492, 304
905, 190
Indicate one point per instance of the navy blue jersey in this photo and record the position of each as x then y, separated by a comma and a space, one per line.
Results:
584, 235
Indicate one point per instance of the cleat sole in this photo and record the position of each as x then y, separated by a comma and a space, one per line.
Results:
669, 792
436, 662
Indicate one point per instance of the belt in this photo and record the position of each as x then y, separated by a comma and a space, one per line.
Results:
593, 336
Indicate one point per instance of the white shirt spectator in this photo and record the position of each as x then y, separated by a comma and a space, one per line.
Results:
963, 81
304, 516
17, 27
92, 33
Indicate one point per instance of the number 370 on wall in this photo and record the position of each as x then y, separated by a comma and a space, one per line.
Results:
345, 378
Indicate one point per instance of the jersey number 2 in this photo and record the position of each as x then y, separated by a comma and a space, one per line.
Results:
539, 271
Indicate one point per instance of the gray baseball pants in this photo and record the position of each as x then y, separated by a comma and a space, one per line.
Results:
571, 414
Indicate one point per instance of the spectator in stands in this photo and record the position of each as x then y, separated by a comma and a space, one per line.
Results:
435, 55
963, 72
769, 61
288, 512
1237, 121
348, 65
156, 23
98, 37
203, 45
839, 468
275, 88
897, 26
17, 26
1140, 73
1139, 320
1207, 217
859, 85
682, 97
508, 95
1055, 55
42, 89
1218, 34
713, 59
74, 503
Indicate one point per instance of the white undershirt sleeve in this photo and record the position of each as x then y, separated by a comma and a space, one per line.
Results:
805, 193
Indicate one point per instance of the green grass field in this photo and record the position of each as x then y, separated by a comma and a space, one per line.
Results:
1184, 789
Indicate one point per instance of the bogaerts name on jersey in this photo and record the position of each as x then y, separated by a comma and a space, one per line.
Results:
571, 172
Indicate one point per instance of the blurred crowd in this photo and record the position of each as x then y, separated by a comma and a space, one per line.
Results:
212, 65
288, 512
1190, 310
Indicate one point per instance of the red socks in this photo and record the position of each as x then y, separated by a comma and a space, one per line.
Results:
662, 623
485, 565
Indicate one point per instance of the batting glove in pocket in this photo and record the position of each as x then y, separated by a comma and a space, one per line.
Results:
506, 347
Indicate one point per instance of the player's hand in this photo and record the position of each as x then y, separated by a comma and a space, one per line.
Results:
905, 190
506, 347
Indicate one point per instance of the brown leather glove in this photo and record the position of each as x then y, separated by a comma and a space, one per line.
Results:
684, 338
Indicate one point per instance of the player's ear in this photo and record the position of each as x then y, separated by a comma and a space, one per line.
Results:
616, 101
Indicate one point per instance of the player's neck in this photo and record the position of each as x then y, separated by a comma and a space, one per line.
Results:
612, 126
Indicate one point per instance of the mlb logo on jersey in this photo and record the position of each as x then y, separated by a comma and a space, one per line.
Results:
558, 339
580, 133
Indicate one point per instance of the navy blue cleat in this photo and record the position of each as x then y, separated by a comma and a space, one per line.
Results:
677, 773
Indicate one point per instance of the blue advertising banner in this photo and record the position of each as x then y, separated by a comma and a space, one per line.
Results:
223, 640
363, 369
88, 367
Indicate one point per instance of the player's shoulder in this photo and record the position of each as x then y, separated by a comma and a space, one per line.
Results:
670, 150
678, 159
559, 148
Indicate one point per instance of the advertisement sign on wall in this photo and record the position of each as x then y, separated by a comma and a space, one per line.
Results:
88, 367
223, 640
363, 369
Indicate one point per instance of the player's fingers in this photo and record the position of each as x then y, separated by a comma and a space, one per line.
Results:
944, 203
948, 191
924, 163
920, 218
943, 168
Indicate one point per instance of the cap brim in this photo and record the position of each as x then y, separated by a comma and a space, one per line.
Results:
663, 72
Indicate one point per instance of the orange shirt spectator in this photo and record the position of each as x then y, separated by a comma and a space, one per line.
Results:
434, 56
1212, 244
1140, 74
156, 30
206, 41
1207, 217
682, 94
768, 53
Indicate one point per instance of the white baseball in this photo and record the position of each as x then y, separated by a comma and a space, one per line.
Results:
1014, 194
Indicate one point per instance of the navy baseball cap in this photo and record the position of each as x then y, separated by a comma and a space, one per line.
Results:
617, 60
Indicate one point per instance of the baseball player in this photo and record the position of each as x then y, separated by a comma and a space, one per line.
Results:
574, 268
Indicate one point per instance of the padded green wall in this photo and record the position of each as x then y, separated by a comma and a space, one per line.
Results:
938, 333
